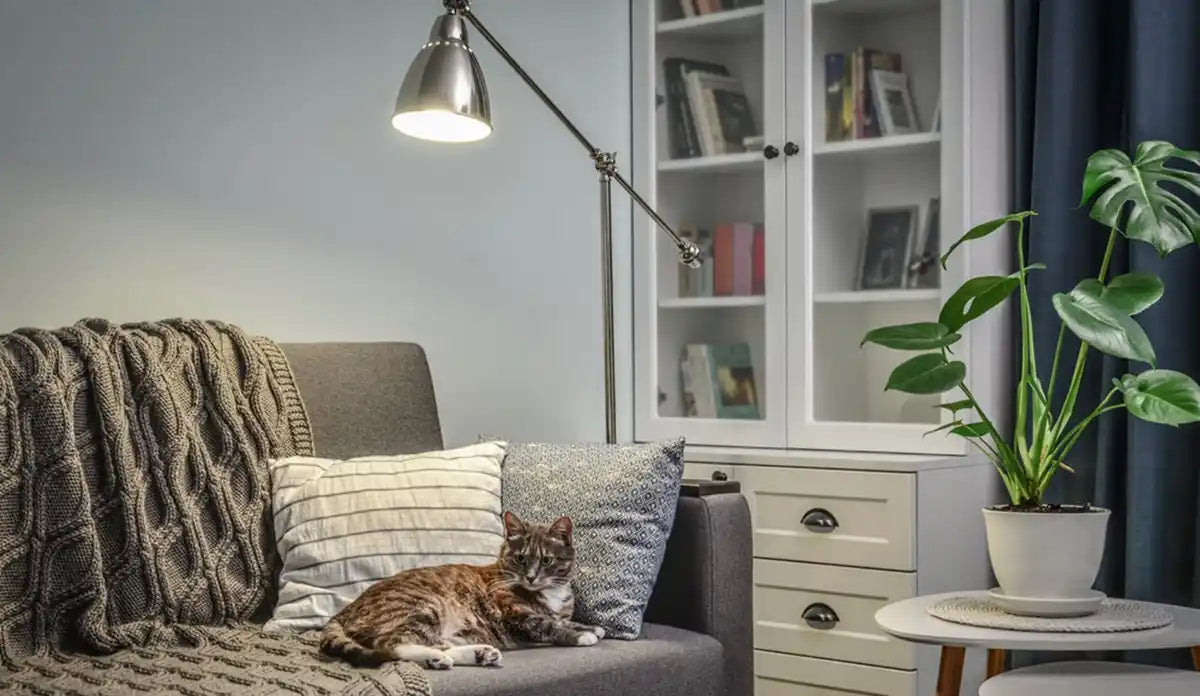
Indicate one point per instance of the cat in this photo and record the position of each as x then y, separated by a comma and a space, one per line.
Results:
441, 615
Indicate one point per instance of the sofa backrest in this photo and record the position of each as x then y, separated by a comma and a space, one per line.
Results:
367, 398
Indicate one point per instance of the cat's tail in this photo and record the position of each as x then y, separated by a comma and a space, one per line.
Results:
336, 643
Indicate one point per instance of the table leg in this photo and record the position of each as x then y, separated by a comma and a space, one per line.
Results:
950, 671
1196, 657
995, 662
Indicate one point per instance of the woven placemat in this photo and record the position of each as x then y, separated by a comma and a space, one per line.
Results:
1115, 615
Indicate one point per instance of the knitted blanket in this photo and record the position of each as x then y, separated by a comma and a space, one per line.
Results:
135, 534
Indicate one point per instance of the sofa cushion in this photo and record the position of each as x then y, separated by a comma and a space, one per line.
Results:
622, 499
342, 526
664, 662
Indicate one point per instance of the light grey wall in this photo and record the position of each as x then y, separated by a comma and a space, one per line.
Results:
233, 159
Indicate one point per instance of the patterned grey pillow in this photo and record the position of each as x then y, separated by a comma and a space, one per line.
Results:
622, 500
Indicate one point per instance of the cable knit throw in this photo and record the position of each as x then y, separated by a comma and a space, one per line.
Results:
135, 536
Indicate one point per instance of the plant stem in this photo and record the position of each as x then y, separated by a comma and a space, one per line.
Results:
1026, 330
1077, 377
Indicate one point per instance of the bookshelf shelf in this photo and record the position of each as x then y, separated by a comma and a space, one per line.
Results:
871, 147
743, 22
712, 302
716, 164
875, 296
872, 6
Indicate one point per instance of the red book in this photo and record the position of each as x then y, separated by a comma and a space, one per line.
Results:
743, 253
758, 264
723, 260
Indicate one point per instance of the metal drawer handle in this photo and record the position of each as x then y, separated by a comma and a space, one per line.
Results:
819, 521
820, 616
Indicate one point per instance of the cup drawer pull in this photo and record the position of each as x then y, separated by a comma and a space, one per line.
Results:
820, 616
819, 521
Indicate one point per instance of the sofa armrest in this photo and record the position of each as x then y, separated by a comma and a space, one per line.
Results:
705, 583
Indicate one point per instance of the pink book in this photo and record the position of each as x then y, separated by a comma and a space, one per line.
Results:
743, 258
758, 272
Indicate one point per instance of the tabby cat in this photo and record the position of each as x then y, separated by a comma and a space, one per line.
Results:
441, 615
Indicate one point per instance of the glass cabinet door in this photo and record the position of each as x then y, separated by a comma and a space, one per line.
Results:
864, 87
708, 125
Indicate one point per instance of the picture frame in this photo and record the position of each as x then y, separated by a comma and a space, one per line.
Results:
887, 248
924, 271
893, 103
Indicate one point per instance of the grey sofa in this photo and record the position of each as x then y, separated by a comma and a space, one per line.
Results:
368, 398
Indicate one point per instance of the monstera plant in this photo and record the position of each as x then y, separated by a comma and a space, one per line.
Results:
1146, 199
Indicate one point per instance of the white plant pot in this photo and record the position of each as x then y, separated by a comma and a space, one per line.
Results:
1046, 555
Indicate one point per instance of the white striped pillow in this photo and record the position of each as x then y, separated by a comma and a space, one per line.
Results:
342, 525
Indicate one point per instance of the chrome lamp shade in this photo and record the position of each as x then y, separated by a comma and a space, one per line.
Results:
444, 96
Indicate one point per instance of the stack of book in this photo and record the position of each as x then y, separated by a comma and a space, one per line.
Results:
852, 108
734, 262
694, 8
718, 381
707, 109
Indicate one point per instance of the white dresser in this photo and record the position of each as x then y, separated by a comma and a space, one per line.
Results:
837, 536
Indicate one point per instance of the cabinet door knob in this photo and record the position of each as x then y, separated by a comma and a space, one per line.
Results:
819, 520
791, 148
770, 152
720, 476
820, 616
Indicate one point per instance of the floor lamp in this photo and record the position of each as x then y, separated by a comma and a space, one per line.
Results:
444, 98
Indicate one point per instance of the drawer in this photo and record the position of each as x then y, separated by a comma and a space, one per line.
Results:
784, 590
792, 675
872, 514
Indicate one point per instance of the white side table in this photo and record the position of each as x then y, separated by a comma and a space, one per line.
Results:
1093, 679
910, 620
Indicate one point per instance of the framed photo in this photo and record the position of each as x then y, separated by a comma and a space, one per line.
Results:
924, 269
887, 248
893, 102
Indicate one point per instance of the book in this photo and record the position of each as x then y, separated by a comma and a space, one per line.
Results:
682, 138
837, 128
704, 240
722, 259
718, 381
758, 263
734, 117
688, 7
743, 257
735, 394
689, 278
695, 372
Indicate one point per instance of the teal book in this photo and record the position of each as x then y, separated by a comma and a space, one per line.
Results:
734, 388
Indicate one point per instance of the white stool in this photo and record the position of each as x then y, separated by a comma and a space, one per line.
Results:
1093, 679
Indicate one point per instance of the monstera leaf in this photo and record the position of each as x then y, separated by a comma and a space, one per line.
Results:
1158, 216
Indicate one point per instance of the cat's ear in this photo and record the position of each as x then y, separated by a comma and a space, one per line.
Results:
513, 526
562, 528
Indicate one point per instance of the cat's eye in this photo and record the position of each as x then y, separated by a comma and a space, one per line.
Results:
547, 560
520, 558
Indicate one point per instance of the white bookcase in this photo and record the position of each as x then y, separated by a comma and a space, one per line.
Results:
852, 505
816, 388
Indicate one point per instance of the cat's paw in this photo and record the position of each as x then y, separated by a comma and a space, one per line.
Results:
439, 662
586, 638
488, 656
598, 631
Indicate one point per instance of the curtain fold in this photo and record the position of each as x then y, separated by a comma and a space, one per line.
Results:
1091, 74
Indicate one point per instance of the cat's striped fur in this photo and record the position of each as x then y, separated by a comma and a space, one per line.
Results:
442, 615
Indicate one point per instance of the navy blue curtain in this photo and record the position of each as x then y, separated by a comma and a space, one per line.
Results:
1092, 74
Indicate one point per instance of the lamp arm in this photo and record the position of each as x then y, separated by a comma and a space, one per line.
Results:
689, 253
